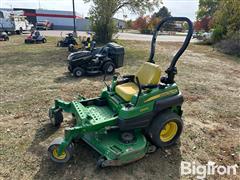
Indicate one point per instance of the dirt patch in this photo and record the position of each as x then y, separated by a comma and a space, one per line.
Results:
32, 76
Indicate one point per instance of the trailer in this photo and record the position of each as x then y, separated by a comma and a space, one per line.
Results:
14, 22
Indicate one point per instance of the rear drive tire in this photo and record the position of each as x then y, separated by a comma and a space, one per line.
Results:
108, 68
165, 129
78, 72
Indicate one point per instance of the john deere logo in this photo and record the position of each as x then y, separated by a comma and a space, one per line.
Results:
144, 109
167, 93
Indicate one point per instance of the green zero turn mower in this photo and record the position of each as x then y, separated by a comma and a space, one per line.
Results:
133, 116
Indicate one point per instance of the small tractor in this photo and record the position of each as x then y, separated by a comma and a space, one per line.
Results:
65, 42
35, 38
98, 60
84, 43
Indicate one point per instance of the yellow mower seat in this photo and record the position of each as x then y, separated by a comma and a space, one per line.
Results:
148, 73
126, 90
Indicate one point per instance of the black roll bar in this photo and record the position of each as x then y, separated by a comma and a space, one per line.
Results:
171, 71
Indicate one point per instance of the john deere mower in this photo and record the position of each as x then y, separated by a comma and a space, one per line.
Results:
133, 116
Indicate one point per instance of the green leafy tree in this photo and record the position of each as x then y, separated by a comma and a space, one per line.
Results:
207, 8
129, 24
102, 12
162, 13
158, 16
227, 18
226, 23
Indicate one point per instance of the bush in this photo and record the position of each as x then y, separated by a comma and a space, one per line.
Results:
146, 31
229, 46
217, 35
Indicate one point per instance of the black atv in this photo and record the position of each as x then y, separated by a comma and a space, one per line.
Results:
105, 59
65, 42
4, 36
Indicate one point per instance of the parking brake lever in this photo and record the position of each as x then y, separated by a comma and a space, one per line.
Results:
104, 78
139, 90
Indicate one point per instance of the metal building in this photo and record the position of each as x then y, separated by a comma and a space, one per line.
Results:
62, 20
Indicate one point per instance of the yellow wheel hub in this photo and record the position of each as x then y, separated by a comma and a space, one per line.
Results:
168, 132
59, 157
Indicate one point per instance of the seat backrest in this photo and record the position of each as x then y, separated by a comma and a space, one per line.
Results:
149, 73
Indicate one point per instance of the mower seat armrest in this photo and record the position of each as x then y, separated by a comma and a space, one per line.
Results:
125, 79
130, 77
149, 86
122, 81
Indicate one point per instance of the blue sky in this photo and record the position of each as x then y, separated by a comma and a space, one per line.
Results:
177, 7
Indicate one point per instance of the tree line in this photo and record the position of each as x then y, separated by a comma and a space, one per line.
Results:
102, 12
222, 17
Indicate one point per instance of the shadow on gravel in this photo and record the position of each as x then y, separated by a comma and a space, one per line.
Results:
43, 133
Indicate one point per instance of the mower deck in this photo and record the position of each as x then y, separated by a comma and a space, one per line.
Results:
115, 150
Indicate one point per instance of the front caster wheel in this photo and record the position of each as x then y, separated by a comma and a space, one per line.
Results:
66, 154
151, 149
56, 117
101, 162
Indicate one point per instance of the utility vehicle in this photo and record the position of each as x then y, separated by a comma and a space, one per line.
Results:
45, 25
14, 22
132, 117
